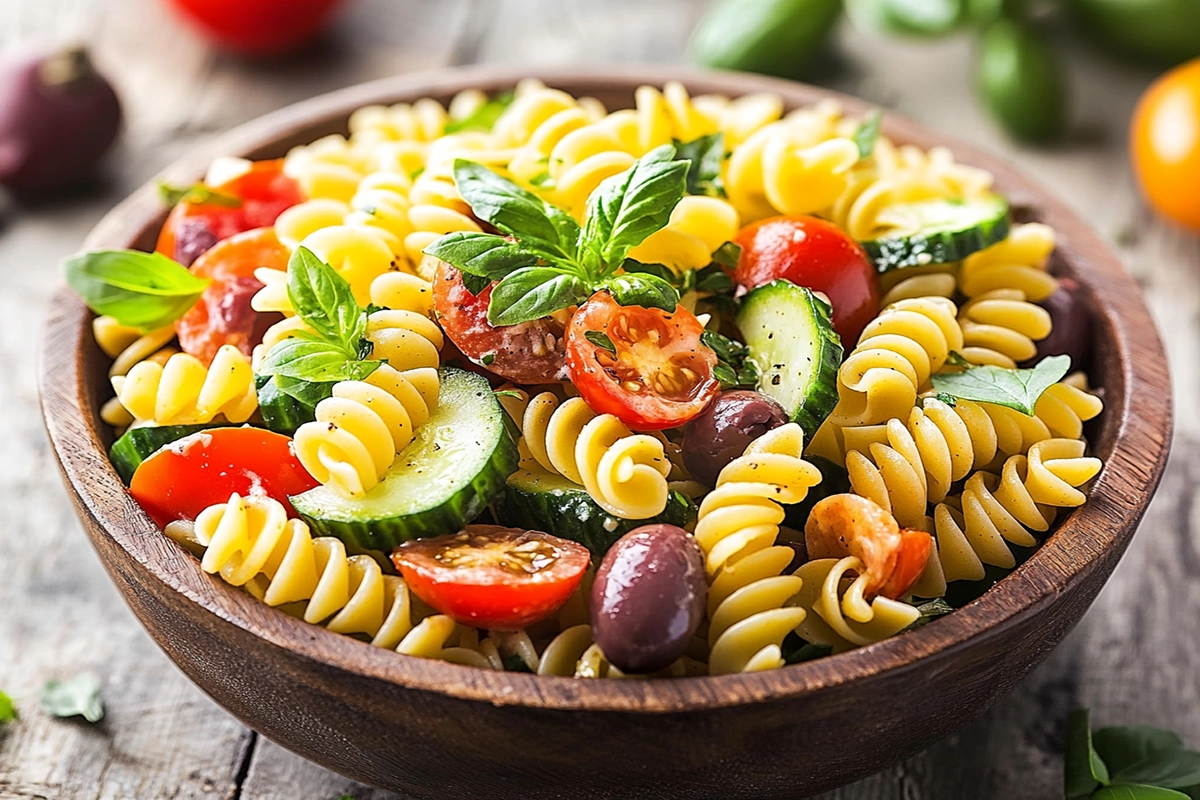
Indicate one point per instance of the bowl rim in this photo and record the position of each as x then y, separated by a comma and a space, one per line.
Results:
1138, 426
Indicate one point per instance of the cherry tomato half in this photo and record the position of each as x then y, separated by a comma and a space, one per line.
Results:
660, 375
1164, 144
812, 252
915, 549
259, 27
188, 476
263, 193
493, 577
531, 352
223, 314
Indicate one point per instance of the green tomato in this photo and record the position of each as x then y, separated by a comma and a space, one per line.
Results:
772, 37
907, 17
1159, 32
1021, 81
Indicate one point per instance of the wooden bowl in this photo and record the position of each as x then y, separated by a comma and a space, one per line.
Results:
434, 729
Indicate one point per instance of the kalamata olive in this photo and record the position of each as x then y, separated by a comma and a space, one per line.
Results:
648, 598
58, 116
1071, 328
722, 431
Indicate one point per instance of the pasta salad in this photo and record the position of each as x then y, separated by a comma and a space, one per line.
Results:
695, 387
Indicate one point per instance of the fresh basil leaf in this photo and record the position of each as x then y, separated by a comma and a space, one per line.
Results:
314, 361
1172, 769
1138, 792
142, 290
532, 293
74, 697
706, 156
8, 709
643, 289
484, 117
867, 133
657, 270
1123, 746
728, 255
796, 649
515, 663
734, 368
542, 229
601, 340
1084, 770
305, 392
323, 299
725, 376
1018, 389
714, 279
197, 193
475, 283
929, 612
626, 208
482, 254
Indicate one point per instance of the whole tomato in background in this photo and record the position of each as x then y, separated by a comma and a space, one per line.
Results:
1164, 145
259, 27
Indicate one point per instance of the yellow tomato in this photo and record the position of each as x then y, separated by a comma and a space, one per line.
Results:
1164, 144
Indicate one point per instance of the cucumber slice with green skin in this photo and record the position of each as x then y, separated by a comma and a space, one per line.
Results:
138, 444
437, 485
789, 331
283, 413
948, 231
552, 504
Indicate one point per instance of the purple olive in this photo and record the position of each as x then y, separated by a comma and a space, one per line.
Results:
1071, 326
648, 598
724, 429
58, 116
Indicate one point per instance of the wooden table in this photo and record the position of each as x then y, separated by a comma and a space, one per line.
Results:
1133, 659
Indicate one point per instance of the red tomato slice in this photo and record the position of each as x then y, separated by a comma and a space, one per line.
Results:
259, 27
223, 314
660, 376
812, 252
188, 476
531, 352
915, 549
493, 577
192, 228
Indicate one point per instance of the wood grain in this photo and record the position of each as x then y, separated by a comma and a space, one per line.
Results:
64, 614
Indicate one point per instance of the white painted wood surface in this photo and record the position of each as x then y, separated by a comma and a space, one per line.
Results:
1133, 659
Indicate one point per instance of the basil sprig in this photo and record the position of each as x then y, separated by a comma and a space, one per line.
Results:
78, 696
142, 290
336, 347
544, 260
1017, 389
734, 368
484, 117
1134, 762
707, 155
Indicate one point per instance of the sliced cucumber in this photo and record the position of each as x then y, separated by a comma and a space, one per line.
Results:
443, 480
945, 231
552, 504
282, 412
789, 331
138, 444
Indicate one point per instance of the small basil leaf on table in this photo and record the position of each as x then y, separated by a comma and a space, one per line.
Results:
1171, 769
314, 361
1018, 389
142, 290
8, 709
707, 155
532, 293
1124, 746
323, 299
1084, 770
485, 255
484, 117
867, 133
643, 289
628, 207
74, 697
1138, 792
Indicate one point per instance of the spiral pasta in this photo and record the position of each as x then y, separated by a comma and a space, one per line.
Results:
1000, 328
737, 527
1018, 262
625, 473
185, 392
360, 429
838, 614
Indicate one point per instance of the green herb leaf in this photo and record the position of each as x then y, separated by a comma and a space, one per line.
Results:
542, 229
484, 117
601, 340
142, 290
475, 283
1171, 769
1123, 746
657, 270
197, 193
74, 697
948, 399
308, 393
532, 293
513, 393
315, 361
515, 663
1138, 792
323, 299
1018, 389
796, 649
8, 709
643, 289
714, 279
1084, 770
728, 255
956, 359
626, 208
929, 612
734, 368
482, 254
867, 133
707, 155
